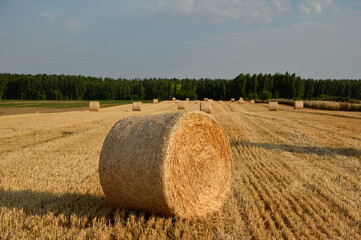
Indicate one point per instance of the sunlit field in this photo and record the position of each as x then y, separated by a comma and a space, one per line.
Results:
296, 175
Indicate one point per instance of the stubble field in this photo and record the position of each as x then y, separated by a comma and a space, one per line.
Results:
296, 175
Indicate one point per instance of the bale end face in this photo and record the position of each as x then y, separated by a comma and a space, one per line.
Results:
137, 106
174, 174
181, 105
273, 106
206, 107
298, 105
94, 106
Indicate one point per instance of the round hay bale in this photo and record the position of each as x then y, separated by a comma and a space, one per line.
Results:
155, 100
176, 164
273, 106
187, 99
205, 99
232, 100
94, 106
173, 99
196, 101
206, 107
252, 101
137, 106
298, 105
240, 100
344, 106
181, 105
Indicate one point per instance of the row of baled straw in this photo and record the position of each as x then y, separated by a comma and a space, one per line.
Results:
176, 164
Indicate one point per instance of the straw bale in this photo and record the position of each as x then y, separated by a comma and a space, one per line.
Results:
94, 106
155, 100
181, 105
232, 99
176, 164
240, 100
298, 104
273, 106
206, 107
173, 99
137, 106
205, 99
187, 99
344, 106
252, 101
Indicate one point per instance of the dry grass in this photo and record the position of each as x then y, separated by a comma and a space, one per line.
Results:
296, 175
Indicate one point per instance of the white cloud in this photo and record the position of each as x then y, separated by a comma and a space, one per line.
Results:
314, 6
50, 17
260, 11
73, 24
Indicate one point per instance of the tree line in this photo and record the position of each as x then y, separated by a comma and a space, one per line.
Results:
256, 86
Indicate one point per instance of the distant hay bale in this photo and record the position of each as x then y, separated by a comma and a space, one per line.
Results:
298, 105
273, 106
176, 164
94, 106
240, 100
232, 99
344, 106
252, 101
137, 106
187, 99
181, 105
196, 101
173, 99
205, 99
155, 100
206, 107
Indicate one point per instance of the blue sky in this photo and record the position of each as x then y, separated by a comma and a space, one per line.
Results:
181, 38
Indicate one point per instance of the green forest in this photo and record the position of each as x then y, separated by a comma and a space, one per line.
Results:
256, 86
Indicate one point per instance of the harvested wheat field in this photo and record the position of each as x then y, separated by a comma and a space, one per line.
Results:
296, 175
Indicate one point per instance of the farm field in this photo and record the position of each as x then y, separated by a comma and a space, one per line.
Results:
12, 107
296, 175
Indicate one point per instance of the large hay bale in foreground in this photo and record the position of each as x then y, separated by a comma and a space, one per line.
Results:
155, 100
273, 106
252, 101
298, 104
206, 107
240, 100
232, 99
181, 105
137, 106
94, 106
176, 164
